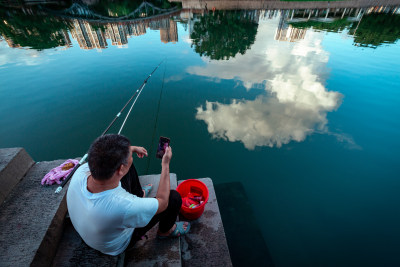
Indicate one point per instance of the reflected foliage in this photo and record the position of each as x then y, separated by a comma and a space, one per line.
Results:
115, 8
120, 8
37, 32
59, 4
377, 29
223, 34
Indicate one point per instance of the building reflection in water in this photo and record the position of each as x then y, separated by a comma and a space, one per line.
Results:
95, 36
287, 32
91, 34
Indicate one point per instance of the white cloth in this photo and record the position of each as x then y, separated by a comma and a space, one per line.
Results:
106, 220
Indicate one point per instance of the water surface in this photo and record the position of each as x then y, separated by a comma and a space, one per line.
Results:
304, 113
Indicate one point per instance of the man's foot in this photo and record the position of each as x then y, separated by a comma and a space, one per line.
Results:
179, 228
146, 189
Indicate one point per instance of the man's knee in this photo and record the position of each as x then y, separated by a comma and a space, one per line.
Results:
175, 199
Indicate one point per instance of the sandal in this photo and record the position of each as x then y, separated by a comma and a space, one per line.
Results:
177, 232
147, 189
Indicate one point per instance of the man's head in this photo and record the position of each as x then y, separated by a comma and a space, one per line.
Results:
106, 155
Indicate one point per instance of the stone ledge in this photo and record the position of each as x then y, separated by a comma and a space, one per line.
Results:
14, 164
31, 220
205, 244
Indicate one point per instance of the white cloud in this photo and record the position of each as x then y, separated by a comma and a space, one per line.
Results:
23, 56
186, 38
296, 101
261, 122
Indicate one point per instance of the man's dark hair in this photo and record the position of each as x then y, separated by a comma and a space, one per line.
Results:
106, 154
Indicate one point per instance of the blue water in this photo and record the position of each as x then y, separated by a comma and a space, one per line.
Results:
309, 127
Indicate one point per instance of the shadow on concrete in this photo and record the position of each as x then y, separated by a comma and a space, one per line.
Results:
246, 244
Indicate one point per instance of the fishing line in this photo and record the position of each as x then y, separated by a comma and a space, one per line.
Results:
129, 112
130, 99
155, 122
137, 92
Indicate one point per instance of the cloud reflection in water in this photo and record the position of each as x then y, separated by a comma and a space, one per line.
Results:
21, 56
295, 103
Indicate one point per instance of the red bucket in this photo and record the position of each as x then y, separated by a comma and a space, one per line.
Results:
197, 187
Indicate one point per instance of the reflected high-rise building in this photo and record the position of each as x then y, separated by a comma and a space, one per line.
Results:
87, 36
67, 40
137, 29
169, 33
79, 32
11, 43
118, 33
288, 33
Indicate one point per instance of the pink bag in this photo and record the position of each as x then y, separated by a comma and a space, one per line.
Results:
59, 173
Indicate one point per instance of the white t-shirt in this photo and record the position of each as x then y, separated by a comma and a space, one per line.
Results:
106, 220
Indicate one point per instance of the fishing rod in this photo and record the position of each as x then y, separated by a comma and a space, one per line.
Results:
83, 159
156, 120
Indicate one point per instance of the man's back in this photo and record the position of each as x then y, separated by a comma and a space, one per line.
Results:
106, 220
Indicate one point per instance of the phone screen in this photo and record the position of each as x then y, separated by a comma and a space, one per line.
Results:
162, 145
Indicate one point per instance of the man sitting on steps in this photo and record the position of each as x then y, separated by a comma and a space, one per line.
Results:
107, 204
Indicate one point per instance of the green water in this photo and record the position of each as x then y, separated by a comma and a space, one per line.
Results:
304, 114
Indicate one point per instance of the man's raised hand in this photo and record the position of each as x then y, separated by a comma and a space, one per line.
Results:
140, 151
167, 156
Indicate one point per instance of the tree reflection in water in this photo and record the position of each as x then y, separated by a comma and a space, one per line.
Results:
377, 29
36, 32
223, 34
120, 8
372, 31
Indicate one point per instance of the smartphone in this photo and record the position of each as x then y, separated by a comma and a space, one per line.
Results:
162, 145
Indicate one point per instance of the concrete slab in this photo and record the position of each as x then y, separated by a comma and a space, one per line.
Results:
205, 244
155, 252
31, 220
14, 164
155, 180
74, 252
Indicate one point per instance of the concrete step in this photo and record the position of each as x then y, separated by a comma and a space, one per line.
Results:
152, 252
72, 251
31, 220
155, 252
14, 164
205, 244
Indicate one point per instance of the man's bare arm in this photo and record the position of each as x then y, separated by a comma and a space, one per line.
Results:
164, 187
